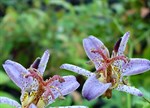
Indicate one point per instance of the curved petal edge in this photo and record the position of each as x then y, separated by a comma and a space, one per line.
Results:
9, 101
130, 90
93, 88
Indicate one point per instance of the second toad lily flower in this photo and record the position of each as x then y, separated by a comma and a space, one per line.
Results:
109, 70
35, 90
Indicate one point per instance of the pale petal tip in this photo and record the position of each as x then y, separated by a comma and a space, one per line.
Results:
140, 94
126, 36
128, 33
63, 66
47, 51
84, 40
90, 36
148, 63
7, 61
43, 62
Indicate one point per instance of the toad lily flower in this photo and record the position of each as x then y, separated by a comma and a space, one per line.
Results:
109, 70
34, 89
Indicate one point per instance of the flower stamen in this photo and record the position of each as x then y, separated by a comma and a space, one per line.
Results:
56, 88
55, 77
43, 86
108, 61
101, 53
34, 74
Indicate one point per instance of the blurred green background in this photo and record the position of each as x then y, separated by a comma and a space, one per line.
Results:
29, 27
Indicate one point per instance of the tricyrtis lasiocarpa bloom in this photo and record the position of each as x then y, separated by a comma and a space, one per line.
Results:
110, 70
34, 89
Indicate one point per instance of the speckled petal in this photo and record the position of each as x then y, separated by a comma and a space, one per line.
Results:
65, 88
9, 101
93, 88
136, 66
43, 62
76, 69
123, 43
92, 43
16, 72
129, 89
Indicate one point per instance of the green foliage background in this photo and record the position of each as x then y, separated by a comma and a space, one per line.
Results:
28, 27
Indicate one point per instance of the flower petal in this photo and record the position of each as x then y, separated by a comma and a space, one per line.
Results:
16, 72
36, 63
9, 101
123, 43
64, 88
69, 85
135, 66
92, 43
76, 69
94, 88
32, 106
129, 89
43, 62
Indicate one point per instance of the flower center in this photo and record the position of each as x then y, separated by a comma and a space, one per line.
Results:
107, 61
115, 77
111, 73
43, 92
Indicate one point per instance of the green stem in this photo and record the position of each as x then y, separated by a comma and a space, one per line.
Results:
146, 100
128, 100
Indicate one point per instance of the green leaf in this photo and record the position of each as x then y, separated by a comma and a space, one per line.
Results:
4, 78
5, 94
6, 106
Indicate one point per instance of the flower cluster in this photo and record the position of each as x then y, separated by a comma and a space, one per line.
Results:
110, 71
34, 90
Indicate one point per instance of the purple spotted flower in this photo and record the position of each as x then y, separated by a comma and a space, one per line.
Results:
110, 70
37, 92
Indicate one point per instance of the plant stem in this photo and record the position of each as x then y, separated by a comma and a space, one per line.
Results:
128, 101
